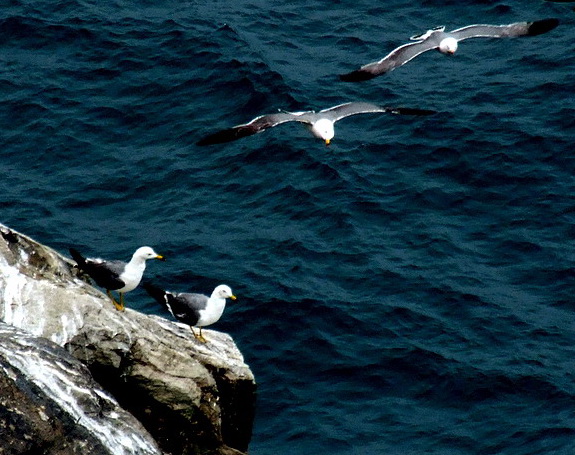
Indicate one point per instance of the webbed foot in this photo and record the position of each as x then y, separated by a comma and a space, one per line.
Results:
199, 336
119, 306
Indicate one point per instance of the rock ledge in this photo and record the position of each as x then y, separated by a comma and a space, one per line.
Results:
192, 398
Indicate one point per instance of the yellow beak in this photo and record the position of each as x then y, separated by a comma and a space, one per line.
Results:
327, 141
233, 297
160, 257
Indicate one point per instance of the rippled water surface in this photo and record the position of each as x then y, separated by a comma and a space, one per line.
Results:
408, 289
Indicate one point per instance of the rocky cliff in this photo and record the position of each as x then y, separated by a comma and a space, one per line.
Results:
49, 404
138, 370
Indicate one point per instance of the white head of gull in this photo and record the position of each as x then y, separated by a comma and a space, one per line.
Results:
323, 129
448, 45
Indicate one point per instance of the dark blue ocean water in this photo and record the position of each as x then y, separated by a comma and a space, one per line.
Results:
407, 290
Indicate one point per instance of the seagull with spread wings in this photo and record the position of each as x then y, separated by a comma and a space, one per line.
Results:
446, 43
321, 124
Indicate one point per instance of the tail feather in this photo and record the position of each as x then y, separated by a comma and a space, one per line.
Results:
164, 298
80, 260
158, 294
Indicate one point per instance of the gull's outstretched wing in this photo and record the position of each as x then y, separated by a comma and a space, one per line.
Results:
394, 59
257, 125
345, 110
505, 31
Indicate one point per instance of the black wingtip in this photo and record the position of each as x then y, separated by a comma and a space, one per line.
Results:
542, 26
357, 76
206, 141
155, 292
80, 260
411, 111
228, 135
202, 142
219, 137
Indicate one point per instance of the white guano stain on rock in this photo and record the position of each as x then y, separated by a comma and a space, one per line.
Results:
70, 389
137, 355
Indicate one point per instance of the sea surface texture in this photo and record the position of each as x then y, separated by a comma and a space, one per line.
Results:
408, 289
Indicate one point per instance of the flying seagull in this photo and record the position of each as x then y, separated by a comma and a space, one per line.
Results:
320, 123
196, 310
446, 43
116, 275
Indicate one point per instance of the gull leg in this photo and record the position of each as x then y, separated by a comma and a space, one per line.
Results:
199, 336
122, 306
119, 306
109, 294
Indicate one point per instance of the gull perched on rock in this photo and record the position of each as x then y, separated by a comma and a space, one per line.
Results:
446, 43
196, 310
116, 275
320, 123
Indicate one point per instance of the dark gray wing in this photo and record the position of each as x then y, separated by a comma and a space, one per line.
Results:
394, 59
345, 110
114, 267
186, 307
106, 274
505, 31
257, 125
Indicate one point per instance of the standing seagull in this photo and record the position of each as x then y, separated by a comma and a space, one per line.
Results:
446, 43
194, 309
117, 275
320, 123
